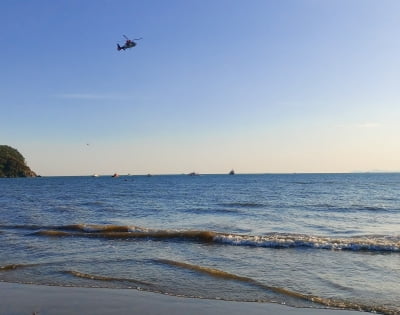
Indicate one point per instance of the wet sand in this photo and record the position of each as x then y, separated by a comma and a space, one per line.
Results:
29, 299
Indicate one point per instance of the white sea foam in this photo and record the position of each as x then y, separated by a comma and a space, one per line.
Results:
277, 240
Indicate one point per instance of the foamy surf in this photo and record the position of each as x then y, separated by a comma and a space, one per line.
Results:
371, 243
279, 240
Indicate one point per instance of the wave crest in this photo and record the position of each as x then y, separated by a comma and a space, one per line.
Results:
277, 240
373, 243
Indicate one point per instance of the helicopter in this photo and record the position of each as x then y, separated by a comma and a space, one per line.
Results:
128, 43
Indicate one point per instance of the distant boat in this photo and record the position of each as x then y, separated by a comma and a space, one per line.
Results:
115, 175
193, 174
95, 175
232, 172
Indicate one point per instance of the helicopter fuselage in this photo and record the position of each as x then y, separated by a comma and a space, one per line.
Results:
128, 44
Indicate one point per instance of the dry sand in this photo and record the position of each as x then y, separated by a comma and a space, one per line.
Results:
46, 300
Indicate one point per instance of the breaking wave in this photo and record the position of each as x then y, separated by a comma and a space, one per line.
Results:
279, 240
372, 243
125, 232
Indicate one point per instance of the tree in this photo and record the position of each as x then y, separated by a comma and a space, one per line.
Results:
12, 163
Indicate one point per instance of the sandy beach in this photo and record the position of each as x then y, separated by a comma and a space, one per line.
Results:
41, 300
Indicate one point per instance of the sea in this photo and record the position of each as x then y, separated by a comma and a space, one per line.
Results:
304, 240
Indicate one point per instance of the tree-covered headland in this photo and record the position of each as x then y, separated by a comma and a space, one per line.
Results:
12, 163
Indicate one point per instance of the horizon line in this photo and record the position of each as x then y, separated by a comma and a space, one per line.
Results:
210, 174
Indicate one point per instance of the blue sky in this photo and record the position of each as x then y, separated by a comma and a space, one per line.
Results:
258, 86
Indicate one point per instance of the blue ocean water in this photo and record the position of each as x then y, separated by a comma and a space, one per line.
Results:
309, 240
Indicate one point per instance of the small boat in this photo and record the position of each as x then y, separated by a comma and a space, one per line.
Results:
232, 172
193, 174
95, 175
115, 175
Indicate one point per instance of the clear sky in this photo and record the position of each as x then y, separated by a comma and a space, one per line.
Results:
259, 86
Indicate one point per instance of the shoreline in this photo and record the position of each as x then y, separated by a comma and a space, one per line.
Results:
41, 300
